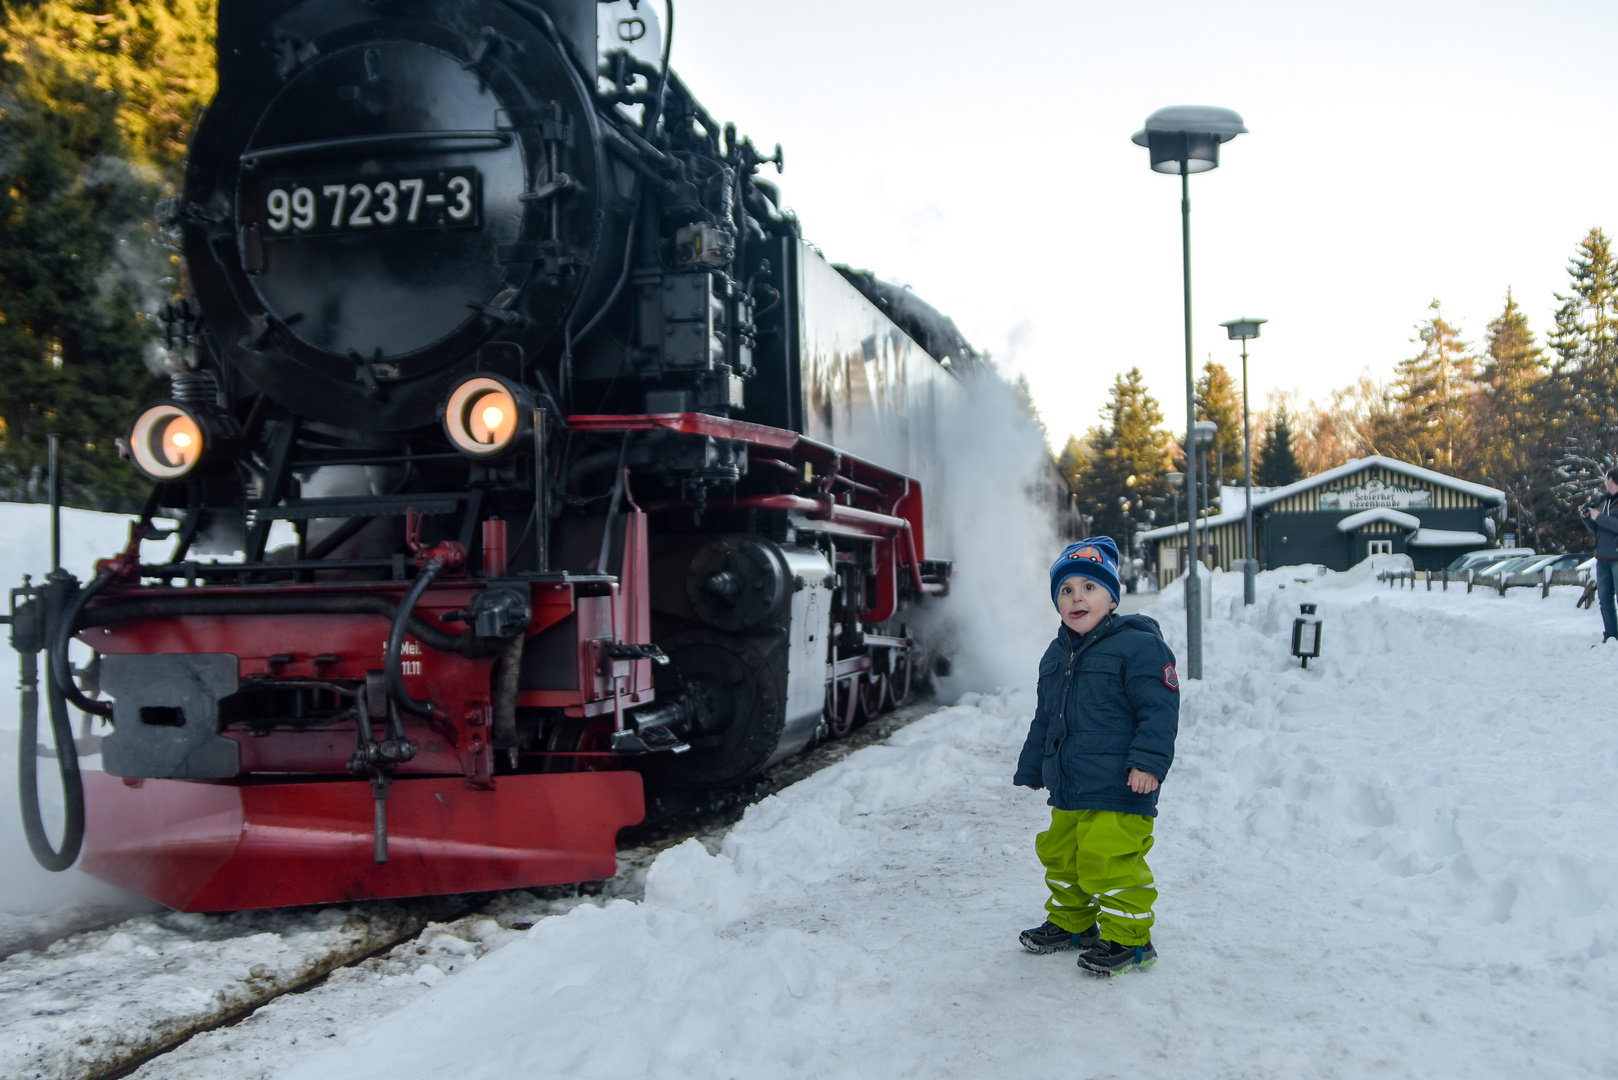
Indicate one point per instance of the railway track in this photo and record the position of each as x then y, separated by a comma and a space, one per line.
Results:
179, 996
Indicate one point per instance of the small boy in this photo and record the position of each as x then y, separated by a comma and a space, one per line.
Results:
1101, 741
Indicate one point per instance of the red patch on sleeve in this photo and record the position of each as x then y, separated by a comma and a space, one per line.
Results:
1170, 679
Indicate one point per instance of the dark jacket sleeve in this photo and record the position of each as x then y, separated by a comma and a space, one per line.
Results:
1031, 762
1153, 687
1602, 521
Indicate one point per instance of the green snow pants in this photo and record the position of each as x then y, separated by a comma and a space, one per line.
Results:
1095, 866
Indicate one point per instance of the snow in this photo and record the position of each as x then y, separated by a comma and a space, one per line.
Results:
1396, 863
1380, 513
1445, 538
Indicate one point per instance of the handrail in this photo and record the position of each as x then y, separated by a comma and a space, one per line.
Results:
251, 159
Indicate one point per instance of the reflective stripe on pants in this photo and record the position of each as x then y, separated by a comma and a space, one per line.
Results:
1095, 868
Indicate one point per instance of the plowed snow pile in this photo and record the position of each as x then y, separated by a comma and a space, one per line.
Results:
1396, 863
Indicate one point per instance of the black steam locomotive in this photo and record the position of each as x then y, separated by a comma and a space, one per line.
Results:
522, 452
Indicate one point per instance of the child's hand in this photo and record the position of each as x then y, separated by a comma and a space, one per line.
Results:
1142, 782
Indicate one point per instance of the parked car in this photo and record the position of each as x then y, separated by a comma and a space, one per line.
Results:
1473, 559
1552, 563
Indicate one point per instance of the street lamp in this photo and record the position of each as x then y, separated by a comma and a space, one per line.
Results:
1185, 139
1245, 330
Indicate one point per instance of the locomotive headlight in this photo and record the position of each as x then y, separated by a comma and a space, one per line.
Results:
484, 415
167, 441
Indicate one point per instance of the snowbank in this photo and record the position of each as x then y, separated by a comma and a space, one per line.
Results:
1394, 863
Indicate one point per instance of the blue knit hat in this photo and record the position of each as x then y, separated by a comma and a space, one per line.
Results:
1096, 558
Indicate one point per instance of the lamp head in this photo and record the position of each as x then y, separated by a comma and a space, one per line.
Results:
1190, 134
1204, 431
177, 440
1243, 329
486, 415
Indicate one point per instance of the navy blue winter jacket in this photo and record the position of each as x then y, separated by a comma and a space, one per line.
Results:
1605, 527
1109, 701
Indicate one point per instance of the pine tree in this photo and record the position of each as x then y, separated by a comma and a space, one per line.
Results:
74, 255
1434, 390
1582, 392
155, 58
1123, 486
1275, 464
1513, 421
1219, 401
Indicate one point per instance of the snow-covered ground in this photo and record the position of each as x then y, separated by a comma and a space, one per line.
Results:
1397, 863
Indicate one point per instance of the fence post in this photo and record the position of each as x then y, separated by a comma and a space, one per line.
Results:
1469, 576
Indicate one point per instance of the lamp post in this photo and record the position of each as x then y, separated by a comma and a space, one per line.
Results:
1175, 479
1245, 330
1184, 139
1203, 433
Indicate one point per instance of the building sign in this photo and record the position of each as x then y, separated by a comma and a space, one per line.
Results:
1373, 494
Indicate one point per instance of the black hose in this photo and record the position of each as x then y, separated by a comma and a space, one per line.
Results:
156, 607
60, 668
612, 297
396, 634
67, 763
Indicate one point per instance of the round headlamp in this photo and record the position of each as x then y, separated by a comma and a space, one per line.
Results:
485, 414
168, 441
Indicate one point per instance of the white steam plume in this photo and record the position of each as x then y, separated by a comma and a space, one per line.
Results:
992, 498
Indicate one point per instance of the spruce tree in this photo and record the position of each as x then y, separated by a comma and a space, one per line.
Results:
1123, 488
75, 255
1274, 463
154, 58
1218, 400
1434, 391
1513, 421
1582, 392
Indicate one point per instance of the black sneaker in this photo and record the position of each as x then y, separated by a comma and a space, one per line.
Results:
1047, 937
1111, 958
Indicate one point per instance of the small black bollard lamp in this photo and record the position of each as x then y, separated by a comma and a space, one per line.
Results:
1306, 635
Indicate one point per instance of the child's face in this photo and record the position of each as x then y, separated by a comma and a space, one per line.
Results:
1083, 603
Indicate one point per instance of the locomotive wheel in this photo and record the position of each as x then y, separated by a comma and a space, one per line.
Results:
589, 734
842, 707
739, 683
899, 681
873, 693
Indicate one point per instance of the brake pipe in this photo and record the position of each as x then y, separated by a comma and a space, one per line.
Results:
396, 633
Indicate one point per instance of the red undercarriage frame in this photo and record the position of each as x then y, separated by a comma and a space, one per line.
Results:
294, 827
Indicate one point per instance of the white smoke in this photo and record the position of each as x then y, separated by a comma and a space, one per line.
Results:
998, 514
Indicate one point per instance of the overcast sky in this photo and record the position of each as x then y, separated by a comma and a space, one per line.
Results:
980, 153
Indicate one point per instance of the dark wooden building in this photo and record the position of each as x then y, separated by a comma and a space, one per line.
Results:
1366, 507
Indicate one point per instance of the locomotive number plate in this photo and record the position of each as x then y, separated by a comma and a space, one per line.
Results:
440, 199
